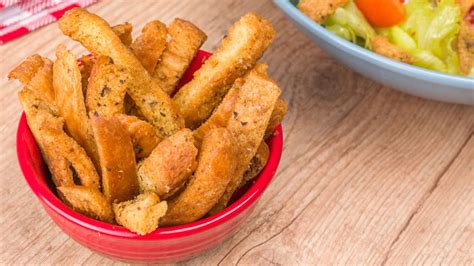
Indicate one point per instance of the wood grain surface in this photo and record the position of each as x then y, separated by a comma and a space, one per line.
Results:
368, 175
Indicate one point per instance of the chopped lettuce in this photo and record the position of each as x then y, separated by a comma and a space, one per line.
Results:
426, 59
428, 32
401, 39
452, 58
343, 32
444, 25
349, 23
419, 14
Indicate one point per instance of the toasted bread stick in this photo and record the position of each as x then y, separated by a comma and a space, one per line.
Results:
38, 115
62, 154
117, 159
70, 100
142, 214
36, 74
144, 136
216, 166
97, 36
87, 201
221, 115
26, 71
68, 148
149, 46
86, 62
107, 88
186, 39
250, 118
170, 164
244, 45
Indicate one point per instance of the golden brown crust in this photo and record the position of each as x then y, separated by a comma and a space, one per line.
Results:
65, 158
320, 10
97, 36
216, 166
257, 163
117, 159
25, 71
70, 100
278, 114
257, 98
186, 39
60, 143
36, 74
221, 115
144, 136
124, 32
382, 46
87, 201
39, 114
149, 46
107, 88
142, 214
170, 164
245, 43
40, 111
465, 47
86, 62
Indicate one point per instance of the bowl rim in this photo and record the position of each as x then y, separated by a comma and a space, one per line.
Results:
369, 56
50, 200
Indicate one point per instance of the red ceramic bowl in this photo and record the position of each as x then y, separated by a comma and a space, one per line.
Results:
168, 244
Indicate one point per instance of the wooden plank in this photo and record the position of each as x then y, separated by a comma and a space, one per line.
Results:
442, 230
359, 160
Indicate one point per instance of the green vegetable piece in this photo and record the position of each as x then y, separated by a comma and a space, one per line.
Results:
402, 39
350, 18
426, 59
343, 32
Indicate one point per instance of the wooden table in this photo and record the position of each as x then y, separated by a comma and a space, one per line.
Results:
369, 175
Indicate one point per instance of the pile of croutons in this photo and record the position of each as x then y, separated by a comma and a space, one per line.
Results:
123, 146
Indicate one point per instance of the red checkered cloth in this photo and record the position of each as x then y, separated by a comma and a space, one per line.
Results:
18, 17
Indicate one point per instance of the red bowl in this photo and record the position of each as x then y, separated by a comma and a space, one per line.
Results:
168, 244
